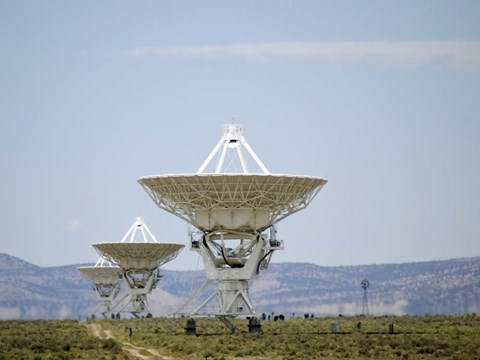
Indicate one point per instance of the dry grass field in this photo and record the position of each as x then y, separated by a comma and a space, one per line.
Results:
54, 339
423, 337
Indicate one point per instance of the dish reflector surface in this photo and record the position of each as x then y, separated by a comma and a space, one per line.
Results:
146, 256
102, 275
232, 201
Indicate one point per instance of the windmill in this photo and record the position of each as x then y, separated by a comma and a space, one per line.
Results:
365, 284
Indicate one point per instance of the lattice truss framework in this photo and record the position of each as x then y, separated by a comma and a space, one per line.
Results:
184, 195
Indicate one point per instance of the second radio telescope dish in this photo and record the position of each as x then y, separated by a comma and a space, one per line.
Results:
139, 255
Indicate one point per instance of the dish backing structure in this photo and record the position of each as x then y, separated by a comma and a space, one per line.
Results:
234, 214
139, 255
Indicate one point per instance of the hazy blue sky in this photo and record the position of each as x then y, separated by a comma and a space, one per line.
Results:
382, 97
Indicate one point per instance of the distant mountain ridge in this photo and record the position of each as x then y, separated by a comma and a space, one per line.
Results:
435, 287
8, 262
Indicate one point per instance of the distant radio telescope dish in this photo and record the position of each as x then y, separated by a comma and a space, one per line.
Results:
101, 275
139, 254
106, 278
231, 211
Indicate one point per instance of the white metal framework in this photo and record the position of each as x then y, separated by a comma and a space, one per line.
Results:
232, 211
139, 258
139, 232
232, 138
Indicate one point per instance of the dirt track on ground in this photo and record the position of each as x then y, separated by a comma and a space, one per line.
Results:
136, 351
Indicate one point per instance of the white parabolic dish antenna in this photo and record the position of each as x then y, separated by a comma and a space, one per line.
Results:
145, 256
232, 201
138, 249
227, 207
101, 275
106, 278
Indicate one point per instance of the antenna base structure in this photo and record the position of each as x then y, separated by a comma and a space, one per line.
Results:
232, 213
139, 259
231, 260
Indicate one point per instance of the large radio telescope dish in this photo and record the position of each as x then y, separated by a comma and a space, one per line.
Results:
234, 207
232, 201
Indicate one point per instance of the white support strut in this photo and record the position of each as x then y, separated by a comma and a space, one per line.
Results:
232, 138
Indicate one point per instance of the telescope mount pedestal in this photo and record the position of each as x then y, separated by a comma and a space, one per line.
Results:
138, 285
231, 259
105, 296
